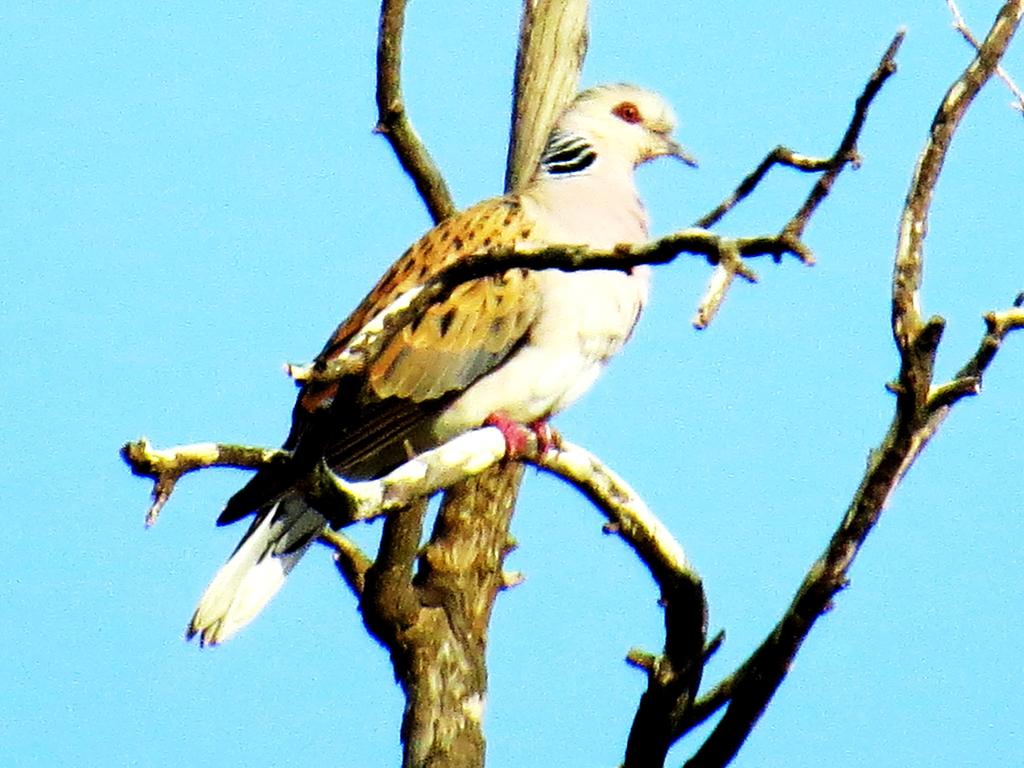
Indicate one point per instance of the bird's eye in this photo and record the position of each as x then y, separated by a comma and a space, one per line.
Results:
627, 111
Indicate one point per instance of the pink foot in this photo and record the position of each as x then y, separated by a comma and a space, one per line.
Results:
517, 436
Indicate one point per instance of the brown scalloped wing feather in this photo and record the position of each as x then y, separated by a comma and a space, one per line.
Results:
360, 426
461, 337
458, 340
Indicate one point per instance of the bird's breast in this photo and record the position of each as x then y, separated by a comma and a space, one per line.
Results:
590, 311
585, 319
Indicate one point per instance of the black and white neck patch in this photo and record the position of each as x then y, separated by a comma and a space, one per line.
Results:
566, 154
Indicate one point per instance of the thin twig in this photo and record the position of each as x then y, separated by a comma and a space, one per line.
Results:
730, 265
961, 26
393, 121
998, 326
165, 467
779, 156
847, 150
376, 335
352, 563
830, 168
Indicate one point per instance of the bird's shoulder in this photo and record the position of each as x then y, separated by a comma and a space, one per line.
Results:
462, 334
489, 223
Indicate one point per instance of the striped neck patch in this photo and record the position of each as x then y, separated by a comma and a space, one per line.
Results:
566, 154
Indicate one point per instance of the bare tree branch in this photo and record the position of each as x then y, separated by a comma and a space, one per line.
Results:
376, 335
961, 26
166, 467
781, 155
998, 326
920, 410
847, 150
552, 45
673, 676
398, 613
461, 567
730, 265
830, 168
424, 475
351, 562
393, 122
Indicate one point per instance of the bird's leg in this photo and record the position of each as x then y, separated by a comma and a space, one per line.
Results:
517, 435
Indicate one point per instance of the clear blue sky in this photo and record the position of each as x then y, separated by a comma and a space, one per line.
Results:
192, 196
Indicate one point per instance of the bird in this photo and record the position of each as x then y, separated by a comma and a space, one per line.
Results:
513, 348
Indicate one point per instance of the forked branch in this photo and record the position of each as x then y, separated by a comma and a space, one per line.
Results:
921, 407
829, 167
165, 467
960, 25
410, 306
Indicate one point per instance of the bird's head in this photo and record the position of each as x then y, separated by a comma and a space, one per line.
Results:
626, 120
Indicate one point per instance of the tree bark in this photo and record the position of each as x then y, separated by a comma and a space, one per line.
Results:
435, 623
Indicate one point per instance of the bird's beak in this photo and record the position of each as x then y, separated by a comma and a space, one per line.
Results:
675, 149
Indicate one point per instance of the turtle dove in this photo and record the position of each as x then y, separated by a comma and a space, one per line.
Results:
523, 344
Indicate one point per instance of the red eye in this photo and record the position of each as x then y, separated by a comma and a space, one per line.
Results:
627, 111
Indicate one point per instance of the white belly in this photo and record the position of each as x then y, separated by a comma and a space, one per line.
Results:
586, 318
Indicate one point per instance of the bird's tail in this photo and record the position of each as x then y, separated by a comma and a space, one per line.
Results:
276, 541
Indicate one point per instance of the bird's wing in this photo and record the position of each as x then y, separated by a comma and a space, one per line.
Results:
459, 339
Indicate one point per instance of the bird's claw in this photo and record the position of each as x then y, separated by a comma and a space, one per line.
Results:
517, 435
